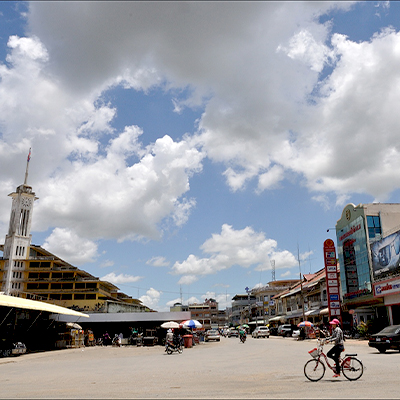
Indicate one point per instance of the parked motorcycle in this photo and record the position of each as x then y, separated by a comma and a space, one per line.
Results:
171, 347
116, 341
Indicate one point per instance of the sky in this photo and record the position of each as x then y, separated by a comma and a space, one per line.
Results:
180, 149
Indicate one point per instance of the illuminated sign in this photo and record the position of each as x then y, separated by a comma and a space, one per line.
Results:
332, 279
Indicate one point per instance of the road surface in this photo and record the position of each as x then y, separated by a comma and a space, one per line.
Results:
259, 368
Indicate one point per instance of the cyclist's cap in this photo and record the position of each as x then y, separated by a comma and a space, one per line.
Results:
335, 321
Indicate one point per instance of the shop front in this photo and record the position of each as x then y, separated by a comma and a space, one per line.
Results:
389, 290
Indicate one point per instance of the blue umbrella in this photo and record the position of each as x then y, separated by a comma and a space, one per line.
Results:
191, 323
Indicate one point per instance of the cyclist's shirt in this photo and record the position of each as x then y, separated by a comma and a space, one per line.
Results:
337, 336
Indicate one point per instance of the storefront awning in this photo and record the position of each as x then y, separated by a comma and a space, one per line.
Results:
324, 311
312, 312
292, 292
295, 315
278, 318
18, 302
259, 322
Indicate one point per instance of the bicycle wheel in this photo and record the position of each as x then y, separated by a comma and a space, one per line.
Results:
314, 370
352, 368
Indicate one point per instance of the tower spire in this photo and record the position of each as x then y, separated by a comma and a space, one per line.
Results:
27, 167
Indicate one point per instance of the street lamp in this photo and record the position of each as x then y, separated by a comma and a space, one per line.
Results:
248, 299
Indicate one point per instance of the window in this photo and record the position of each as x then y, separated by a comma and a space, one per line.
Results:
374, 226
56, 286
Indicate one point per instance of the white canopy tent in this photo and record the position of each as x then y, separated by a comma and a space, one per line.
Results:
18, 302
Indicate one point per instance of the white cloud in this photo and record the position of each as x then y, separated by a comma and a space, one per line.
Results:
187, 279
107, 263
261, 125
121, 278
244, 248
151, 298
158, 262
193, 300
286, 274
172, 302
82, 167
70, 247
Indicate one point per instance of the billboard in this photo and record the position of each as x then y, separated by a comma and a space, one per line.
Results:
385, 255
332, 279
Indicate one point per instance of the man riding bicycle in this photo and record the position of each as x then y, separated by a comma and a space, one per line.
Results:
337, 338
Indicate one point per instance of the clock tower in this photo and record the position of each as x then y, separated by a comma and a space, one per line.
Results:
18, 239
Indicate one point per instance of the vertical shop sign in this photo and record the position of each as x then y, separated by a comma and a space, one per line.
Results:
332, 280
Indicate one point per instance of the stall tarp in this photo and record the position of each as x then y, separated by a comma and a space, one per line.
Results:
18, 302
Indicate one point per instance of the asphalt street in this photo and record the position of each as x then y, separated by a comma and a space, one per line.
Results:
259, 368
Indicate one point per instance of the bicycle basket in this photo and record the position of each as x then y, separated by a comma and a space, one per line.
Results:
314, 353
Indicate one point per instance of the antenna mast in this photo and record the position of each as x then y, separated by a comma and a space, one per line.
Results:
27, 167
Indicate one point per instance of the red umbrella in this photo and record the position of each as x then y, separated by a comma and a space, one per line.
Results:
305, 323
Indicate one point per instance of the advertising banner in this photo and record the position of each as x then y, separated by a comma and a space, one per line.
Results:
385, 255
386, 288
332, 280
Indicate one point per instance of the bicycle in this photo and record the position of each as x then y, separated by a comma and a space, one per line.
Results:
314, 369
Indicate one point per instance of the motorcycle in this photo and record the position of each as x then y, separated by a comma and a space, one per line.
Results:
177, 346
243, 338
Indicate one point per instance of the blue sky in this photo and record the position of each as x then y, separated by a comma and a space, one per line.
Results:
179, 147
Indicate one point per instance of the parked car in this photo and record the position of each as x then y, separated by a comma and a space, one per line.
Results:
387, 338
233, 333
260, 331
212, 334
286, 330
12, 349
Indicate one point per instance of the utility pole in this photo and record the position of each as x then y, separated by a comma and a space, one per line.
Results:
301, 283
248, 299
273, 269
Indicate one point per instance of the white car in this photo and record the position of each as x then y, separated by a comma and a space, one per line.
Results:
212, 335
260, 331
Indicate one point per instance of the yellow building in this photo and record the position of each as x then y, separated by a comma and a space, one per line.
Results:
30, 271
48, 278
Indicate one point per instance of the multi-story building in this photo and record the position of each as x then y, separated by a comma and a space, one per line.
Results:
241, 308
179, 307
305, 300
265, 307
206, 313
32, 272
368, 245
48, 278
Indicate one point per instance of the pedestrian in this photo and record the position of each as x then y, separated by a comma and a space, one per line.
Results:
337, 338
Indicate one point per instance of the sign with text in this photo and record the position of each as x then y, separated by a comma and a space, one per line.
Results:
332, 279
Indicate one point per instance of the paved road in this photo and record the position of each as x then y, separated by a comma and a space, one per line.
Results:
260, 368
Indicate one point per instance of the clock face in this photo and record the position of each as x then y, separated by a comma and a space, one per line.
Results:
26, 202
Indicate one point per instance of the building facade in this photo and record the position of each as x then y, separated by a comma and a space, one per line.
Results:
265, 306
305, 300
368, 245
206, 313
242, 308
